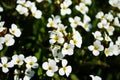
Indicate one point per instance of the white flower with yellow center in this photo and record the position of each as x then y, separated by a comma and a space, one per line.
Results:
65, 70
18, 59
97, 35
15, 30
82, 8
107, 38
103, 24
77, 39
56, 37
95, 77
50, 66
31, 62
100, 15
109, 16
110, 30
5, 64
67, 49
74, 22
96, 47
64, 9
9, 41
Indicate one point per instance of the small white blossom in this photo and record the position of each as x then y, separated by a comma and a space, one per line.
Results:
96, 47
75, 22
103, 24
9, 41
2, 40
86, 2
1, 9
5, 64
67, 49
65, 70
39, 1
64, 9
107, 38
14, 30
109, 17
31, 62
82, 8
97, 35
37, 14
95, 77
110, 30
18, 59
50, 66
100, 15
116, 22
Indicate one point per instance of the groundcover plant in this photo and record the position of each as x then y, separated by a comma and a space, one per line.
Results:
59, 39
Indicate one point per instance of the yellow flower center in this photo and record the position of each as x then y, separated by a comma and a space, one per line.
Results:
5, 65
50, 68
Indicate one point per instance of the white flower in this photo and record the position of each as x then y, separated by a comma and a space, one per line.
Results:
2, 40
67, 49
97, 35
109, 16
64, 9
1, 9
86, 2
100, 15
107, 38
110, 30
39, 1
75, 22
85, 24
82, 8
54, 21
29, 73
5, 64
95, 77
37, 14
22, 10
18, 59
65, 70
31, 62
116, 22
61, 28
56, 53
118, 41
112, 50
103, 24
77, 39
15, 31
96, 47
9, 41
113, 3
56, 37
50, 66
1, 26
67, 2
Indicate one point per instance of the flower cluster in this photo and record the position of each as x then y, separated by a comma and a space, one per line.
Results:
108, 23
7, 38
115, 3
24, 7
19, 60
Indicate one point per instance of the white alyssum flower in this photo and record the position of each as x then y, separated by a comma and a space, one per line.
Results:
65, 70
31, 62
67, 2
56, 37
86, 2
100, 15
110, 30
39, 1
9, 40
68, 49
2, 40
95, 77
29, 73
36, 13
18, 59
112, 50
56, 53
61, 28
54, 21
97, 35
50, 66
64, 9
107, 38
86, 23
109, 17
116, 22
74, 22
1, 26
5, 64
96, 47
82, 8
103, 24
15, 30
1, 9
76, 39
